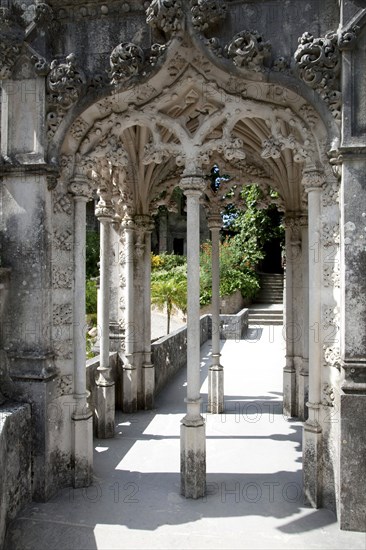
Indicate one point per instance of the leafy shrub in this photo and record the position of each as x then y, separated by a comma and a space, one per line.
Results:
92, 254
91, 296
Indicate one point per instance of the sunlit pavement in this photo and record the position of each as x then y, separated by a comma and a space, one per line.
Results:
254, 484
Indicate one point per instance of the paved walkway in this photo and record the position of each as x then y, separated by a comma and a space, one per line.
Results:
253, 471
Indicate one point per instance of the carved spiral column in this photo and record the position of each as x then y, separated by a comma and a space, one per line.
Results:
313, 182
193, 441
216, 371
82, 432
129, 382
105, 396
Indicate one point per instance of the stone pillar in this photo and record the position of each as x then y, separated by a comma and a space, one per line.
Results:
129, 382
115, 332
304, 371
313, 181
216, 371
353, 343
148, 370
289, 371
105, 387
82, 420
193, 441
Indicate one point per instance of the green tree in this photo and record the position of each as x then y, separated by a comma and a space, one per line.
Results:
169, 290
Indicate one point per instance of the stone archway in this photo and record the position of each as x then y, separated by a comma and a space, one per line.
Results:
133, 148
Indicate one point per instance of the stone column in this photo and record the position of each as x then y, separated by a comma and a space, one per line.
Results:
304, 371
129, 382
313, 181
289, 371
105, 390
82, 420
115, 332
216, 371
193, 441
148, 370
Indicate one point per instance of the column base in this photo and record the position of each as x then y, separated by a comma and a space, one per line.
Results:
129, 389
289, 391
193, 461
312, 463
82, 449
216, 403
148, 381
105, 411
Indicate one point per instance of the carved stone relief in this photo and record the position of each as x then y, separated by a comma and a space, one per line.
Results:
318, 62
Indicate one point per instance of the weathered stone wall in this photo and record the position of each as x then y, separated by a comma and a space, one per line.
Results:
170, 352
15, 462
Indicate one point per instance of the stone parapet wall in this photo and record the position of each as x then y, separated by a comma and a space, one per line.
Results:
15, 462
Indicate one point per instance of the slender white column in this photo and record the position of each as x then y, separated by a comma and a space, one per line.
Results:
129, 383
82, 429
289, 372
304, 372
105, 398
148, 371
193, 443
313, 182
216, 371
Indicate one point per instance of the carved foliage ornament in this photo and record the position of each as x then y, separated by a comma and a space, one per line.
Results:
248, 49
126, 60
43, 14
207, 12
318, 61
165, 15
66, 81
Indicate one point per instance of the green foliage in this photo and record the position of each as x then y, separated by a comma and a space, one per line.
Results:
255, 226
167, 261
92, 254
91, 296
169, 290
237, 271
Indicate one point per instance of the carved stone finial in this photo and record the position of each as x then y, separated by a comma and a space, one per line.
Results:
207, 12
166, 15
66, 81
126, 60
248, 49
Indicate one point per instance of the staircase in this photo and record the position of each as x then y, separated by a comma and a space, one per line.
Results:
268, 306
271, 291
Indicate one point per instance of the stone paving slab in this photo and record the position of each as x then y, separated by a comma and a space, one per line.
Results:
254, 498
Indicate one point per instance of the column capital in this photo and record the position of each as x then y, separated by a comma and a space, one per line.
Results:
144, 223
313, 180
214, 221
193, 185
295, 220
81, 188
128, 223
104, 211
